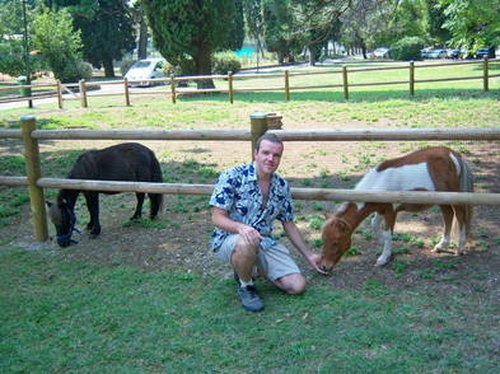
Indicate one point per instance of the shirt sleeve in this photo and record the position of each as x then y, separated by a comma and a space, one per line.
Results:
223, 193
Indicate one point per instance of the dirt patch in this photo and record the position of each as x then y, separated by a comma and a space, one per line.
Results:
178, 241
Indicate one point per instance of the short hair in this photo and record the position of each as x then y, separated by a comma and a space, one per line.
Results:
269, 136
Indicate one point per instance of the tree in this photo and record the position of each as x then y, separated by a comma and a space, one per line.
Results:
107, 29
280, 25
188, 32
58, 41
472, 24
107, 33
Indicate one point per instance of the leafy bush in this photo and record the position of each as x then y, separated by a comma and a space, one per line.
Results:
12, 65
224, 62
408, 48
76, 70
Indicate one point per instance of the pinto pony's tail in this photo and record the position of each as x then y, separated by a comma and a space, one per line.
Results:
466, 185
156, 199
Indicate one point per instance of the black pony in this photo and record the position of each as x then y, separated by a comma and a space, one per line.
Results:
122, 162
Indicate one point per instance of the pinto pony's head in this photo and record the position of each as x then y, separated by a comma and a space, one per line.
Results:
336, 237
63, 218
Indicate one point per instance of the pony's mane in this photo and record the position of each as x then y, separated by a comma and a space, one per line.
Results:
337, 215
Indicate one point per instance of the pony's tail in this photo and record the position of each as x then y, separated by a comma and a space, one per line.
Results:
156, 199
466, 185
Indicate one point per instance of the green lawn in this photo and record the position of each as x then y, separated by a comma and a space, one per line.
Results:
60, 316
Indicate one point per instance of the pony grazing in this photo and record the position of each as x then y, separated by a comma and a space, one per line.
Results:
430, 169
122, 162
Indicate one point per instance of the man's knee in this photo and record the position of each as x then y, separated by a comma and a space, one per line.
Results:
292, 284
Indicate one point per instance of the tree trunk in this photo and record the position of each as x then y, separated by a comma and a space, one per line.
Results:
109, 70
142, 47
203, 63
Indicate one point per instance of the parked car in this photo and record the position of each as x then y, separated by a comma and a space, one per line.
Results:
437, 53
453, 53
424, 53
143, 70
382, 53
485, 52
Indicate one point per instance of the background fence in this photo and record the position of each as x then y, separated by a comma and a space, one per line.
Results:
260, 123
83, 90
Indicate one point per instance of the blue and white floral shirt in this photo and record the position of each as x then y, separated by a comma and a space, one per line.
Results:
237, 191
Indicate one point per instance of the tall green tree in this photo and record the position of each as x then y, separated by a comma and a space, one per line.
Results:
190, 31
107, 33
472, 24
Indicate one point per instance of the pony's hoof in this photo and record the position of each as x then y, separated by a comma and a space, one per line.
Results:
381, 263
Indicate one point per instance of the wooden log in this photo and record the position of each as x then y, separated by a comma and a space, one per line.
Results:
127, 93
258, 126
345, 82
485, 74
485, 134
236, 134
13, 181
318, 194
37, 200
11, 134
412, 78
230, 85
59, 95
83, 94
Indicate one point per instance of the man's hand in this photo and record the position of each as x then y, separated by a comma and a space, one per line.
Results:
314, 259
250, 235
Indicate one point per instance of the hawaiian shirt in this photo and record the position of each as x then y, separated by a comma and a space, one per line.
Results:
237, 191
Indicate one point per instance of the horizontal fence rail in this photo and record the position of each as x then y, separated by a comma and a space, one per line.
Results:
83, 90
260, 123
318, 194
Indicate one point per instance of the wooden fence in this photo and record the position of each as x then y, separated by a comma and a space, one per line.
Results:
260, 123
83, 90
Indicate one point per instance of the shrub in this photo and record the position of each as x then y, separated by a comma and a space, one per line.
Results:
74, 71
408, 49
224, 62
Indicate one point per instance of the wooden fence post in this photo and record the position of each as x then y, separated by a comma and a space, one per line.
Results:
287, 85
172, 87
345, 82
32, 158
258, 126
83, 94
127, 93
412, 78
59, 94
230, 85
486, 86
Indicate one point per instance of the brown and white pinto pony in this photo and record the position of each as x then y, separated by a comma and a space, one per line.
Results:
430, 169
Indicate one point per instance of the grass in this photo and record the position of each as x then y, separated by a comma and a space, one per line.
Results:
60, 316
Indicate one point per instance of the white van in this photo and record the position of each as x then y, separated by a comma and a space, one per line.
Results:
143, 70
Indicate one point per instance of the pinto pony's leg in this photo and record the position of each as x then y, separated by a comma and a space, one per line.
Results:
390, 220
138, 208
447, 212
376, 223
460, 229
92, 200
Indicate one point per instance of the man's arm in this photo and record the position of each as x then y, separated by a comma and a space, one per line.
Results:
220, 219
297, 240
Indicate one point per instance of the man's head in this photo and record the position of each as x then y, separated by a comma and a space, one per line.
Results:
268, 151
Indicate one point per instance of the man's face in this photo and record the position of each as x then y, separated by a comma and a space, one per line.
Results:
268, 157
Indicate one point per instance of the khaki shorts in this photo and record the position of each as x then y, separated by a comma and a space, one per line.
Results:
275, 262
